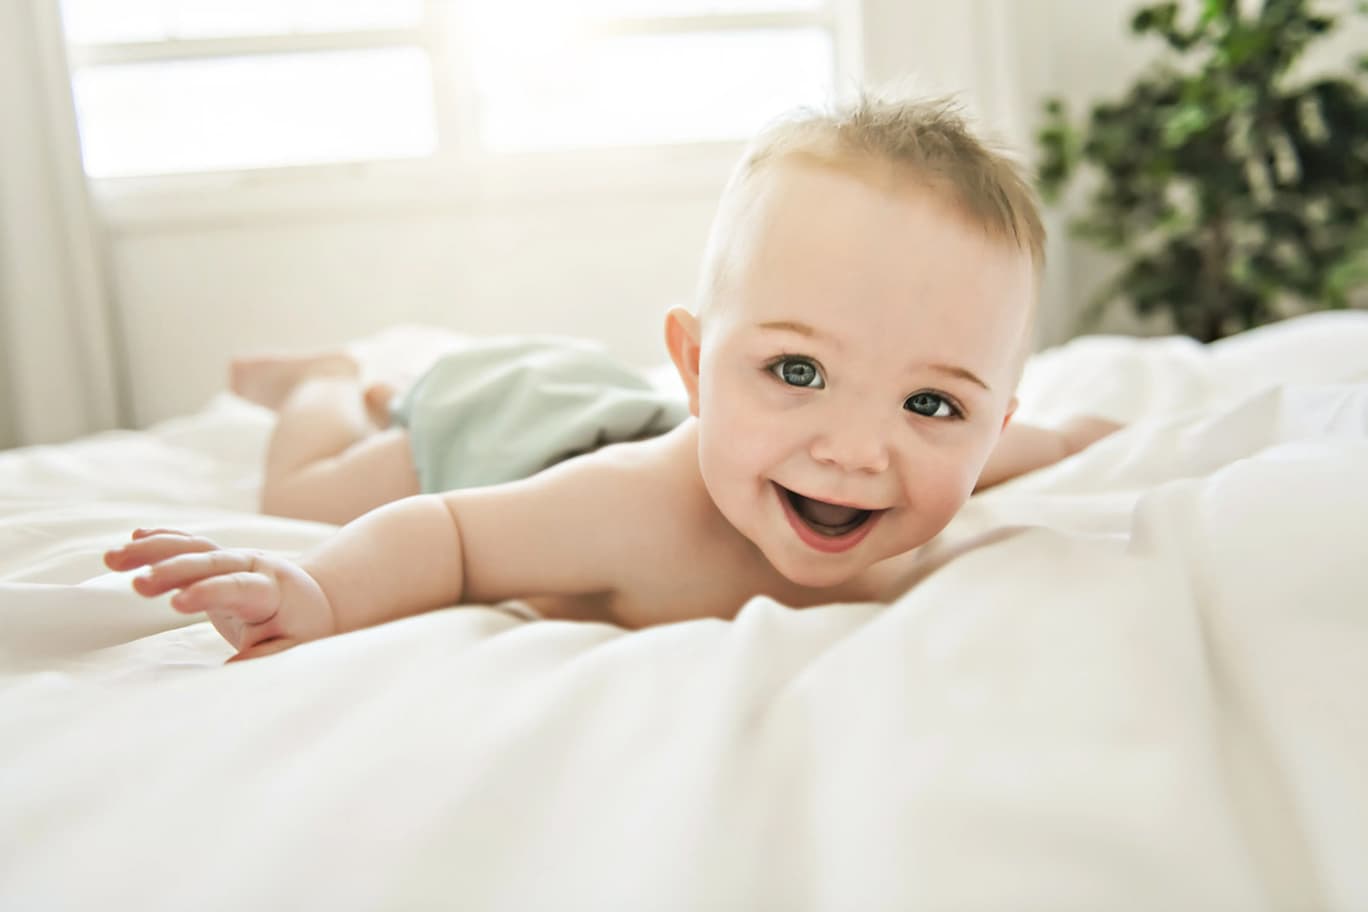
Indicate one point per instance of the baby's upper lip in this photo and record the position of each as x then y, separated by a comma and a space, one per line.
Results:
836, 502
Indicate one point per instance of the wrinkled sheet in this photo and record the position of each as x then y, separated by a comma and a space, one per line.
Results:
1153, 695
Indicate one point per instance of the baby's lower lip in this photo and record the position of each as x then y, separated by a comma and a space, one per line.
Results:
828, 544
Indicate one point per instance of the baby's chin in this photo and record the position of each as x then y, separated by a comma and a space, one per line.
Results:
819, 573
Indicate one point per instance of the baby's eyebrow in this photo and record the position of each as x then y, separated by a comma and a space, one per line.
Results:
960, 372
793, 326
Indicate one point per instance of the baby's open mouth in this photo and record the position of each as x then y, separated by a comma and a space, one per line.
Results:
824, 518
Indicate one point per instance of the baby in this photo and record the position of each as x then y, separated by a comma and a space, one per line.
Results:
865, 311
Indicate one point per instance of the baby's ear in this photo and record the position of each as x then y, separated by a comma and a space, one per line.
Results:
682, 339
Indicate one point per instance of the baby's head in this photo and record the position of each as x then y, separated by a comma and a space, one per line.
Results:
864, 312
911, 146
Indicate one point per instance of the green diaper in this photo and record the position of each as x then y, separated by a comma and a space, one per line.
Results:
504, 408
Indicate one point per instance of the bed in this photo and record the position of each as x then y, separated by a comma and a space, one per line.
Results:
1153, 694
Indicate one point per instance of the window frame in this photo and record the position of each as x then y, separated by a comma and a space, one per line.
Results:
460, 172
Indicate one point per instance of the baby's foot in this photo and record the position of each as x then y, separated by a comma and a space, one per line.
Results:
269, 379
378, 397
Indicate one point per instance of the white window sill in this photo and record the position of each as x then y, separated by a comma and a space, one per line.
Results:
153, 204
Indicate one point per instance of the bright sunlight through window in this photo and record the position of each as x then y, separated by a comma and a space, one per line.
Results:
176, 86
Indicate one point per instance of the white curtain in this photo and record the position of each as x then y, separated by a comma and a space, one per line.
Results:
58, 350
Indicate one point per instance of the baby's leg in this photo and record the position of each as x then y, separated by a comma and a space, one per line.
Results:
330, 457
270, 379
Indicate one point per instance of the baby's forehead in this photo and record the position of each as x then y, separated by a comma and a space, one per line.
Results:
810, 176
827, 206
806, 196
813, 238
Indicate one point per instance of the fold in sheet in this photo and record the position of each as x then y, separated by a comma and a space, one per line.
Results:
1151, 695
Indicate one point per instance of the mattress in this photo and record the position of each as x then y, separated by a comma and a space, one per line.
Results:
1149, 691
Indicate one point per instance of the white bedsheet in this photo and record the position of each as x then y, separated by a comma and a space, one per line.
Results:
1153, 697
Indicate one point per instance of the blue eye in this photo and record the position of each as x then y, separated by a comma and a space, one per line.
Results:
798, 372
931, 405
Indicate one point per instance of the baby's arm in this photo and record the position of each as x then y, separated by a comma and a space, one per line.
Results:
398, 560
543, 535
1024, 448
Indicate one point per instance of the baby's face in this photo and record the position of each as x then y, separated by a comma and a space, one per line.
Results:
856, 369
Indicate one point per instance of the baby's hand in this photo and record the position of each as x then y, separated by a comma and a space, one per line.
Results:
1082, 431
261, 604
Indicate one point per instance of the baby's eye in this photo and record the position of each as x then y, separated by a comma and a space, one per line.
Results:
931, 405
798, 372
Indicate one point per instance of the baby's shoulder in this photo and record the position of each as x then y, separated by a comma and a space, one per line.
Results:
587, 527
663, 466
630, 493
652, 489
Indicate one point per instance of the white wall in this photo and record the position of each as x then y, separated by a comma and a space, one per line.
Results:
194, 294
193, 291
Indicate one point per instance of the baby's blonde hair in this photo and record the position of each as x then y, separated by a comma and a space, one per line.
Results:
923, 140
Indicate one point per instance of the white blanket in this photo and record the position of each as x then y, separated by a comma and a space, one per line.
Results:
1153, 697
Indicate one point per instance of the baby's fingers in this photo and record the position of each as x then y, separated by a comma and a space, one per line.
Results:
184, 570
144, 533
252, 598
149, 547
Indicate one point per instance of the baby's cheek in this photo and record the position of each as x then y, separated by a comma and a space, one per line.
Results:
952, 487
951, 499
736, 426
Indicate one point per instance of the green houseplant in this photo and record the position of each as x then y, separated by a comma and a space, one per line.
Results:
1232, 194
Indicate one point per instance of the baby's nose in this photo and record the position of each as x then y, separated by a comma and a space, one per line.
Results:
855, 446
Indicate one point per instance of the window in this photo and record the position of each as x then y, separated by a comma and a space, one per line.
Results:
167, 87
